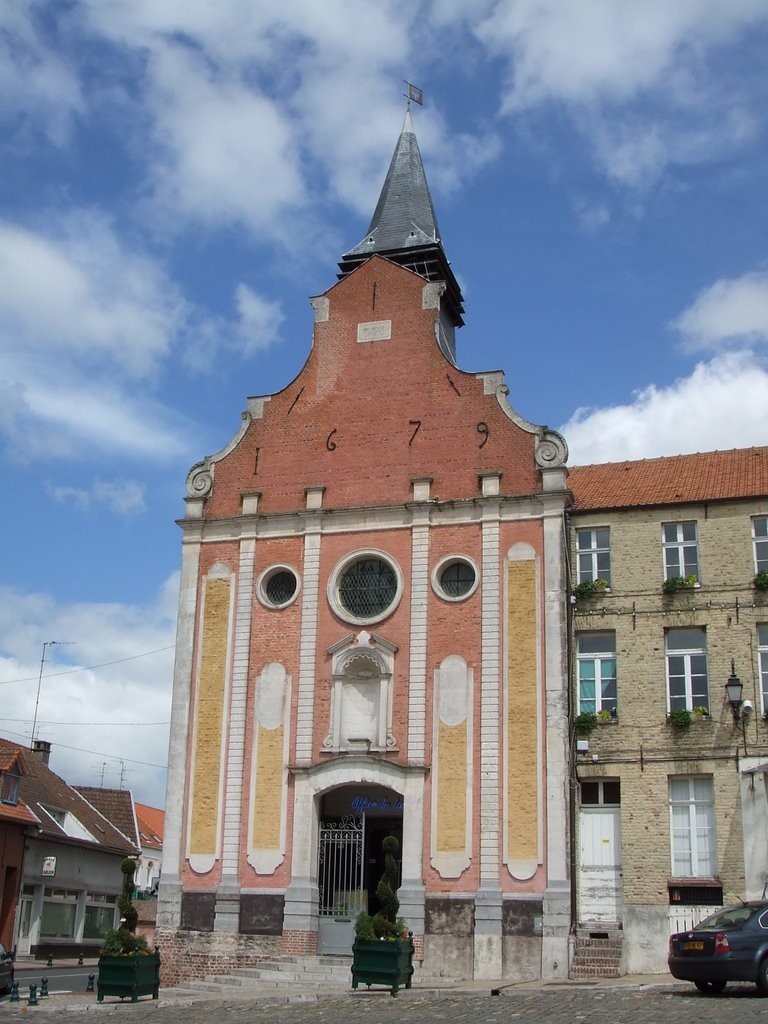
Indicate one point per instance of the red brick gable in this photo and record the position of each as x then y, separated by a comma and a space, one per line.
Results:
675, 480
363, 419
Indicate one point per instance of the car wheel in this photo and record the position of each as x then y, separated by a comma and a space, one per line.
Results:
762, 977
710, 988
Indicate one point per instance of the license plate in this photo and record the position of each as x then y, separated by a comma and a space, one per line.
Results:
693, 945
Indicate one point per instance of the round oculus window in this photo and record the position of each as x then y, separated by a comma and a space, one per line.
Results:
367, 588
278, 586
455, 578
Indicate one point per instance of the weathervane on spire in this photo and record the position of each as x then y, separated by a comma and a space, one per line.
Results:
414, 95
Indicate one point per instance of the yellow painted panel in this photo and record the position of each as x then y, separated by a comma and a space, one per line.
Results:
522, 714
209, 717
267, 801
452, 788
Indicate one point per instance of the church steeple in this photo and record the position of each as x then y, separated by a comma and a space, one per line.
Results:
404, 226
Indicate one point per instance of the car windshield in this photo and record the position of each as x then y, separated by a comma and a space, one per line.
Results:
731, 917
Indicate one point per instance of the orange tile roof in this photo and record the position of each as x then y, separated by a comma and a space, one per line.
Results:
8, 758
675, 480
18, 812
151, 821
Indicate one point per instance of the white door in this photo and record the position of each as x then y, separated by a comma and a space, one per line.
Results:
600, 891
25, 926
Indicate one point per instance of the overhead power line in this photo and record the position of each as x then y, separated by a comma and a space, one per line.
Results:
88, 668
100, 753
101, 725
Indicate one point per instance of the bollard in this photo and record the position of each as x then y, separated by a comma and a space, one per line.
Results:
32, 1001
15, 992
43, 988
50, 960
80, 960
89, 986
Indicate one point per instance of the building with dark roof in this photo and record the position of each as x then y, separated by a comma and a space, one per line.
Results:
400, 614
372, 641
70, 874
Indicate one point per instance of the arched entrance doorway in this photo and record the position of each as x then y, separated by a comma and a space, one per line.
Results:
354, 820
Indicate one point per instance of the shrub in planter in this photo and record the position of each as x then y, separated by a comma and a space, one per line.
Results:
760, 582
382, 953
127, 967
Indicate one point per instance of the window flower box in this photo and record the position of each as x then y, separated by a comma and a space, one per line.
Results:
760, 582
680, 718
677, 583
590, 588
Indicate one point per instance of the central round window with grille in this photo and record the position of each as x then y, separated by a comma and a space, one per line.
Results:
455, 578
365, 587
278, 586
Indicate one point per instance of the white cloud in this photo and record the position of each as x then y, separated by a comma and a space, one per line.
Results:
228, 152
37, 86
124, 497
604, 62
586, 50
720, 405
77, 294
730, 310
225, 153
260, 319
99, 702
83, 317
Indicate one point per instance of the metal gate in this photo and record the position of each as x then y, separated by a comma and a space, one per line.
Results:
342, 895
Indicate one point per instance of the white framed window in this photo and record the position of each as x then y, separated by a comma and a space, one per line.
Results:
365, 587
593, 555
278, 586
692, 826
99, 914
687, 684
57, 920
455, 578
600, 792
596, 661
681, 550
760, 542
762, 658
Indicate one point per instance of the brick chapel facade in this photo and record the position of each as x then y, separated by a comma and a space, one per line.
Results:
371, 641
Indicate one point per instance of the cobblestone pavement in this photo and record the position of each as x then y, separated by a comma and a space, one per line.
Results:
558, 1004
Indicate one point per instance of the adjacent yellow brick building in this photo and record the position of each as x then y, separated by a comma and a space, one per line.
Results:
670, 810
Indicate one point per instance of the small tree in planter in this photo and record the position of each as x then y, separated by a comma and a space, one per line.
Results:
127, 967
382, 953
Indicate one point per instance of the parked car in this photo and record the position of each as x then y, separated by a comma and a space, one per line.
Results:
729, 945
6, 970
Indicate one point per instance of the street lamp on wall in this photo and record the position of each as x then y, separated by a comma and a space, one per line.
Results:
733, 691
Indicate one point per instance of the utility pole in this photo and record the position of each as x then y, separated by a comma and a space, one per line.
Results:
48, 643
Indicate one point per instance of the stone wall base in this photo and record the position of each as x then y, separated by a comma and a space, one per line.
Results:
190, 955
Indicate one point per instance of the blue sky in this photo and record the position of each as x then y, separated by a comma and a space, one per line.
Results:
178, 177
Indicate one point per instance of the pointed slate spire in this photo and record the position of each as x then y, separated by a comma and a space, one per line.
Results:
404, 226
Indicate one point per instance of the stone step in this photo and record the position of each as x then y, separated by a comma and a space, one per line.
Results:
271, 971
